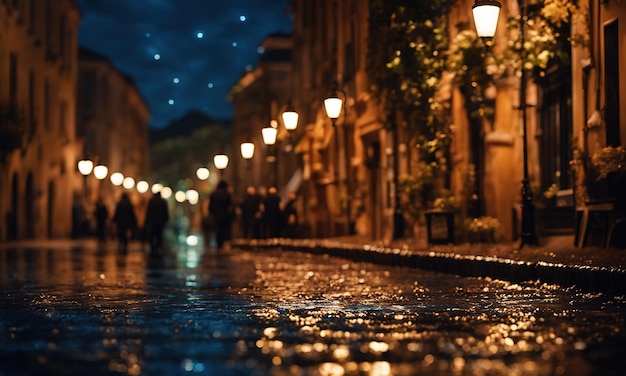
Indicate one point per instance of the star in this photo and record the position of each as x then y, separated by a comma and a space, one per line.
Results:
182, 40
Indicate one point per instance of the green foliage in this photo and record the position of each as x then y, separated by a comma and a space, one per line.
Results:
482, 229
472, 71
547, 37
406, 64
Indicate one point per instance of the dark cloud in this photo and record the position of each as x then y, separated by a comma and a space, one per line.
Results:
130, 32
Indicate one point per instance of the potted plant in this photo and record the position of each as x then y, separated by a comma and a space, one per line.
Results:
483, 229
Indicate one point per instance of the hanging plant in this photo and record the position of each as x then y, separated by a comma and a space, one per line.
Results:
547, 37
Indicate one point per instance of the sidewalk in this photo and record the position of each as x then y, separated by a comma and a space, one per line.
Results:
556, 260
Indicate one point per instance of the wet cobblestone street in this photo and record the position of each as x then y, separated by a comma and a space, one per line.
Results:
90, 311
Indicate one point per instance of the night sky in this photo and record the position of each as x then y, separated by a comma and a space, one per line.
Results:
182, 54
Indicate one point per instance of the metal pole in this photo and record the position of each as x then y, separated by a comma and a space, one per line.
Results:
276, 165
346, 145
528, 235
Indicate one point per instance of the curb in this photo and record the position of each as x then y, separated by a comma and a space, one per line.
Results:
584, 277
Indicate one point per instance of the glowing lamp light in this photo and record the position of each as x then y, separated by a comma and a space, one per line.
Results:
192, 240
333, 105
85, 166
290, 118
269, 135
100, 171
117, 179
180, 196
142, 186
166, 192
247, 150
128, 182
486, 13
192, 196
203, 173
220, 161
157, 187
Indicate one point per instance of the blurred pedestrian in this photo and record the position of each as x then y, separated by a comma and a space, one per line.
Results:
221, 210
251, 214
102, 216
125, 221
290, 213
157, 216
272, 215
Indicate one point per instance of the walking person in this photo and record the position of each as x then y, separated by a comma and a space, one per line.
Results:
272, 215
157, 216
102, 215
290, 213
251, 214
125, 221
221, 210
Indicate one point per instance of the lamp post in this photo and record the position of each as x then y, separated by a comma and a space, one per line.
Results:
269, 138
333, 105
85, 166
486, 13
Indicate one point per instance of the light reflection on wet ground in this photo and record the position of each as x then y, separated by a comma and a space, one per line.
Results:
89, 311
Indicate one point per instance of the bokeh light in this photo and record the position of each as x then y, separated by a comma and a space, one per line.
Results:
142, 186
117, 178
166, 192
128, 182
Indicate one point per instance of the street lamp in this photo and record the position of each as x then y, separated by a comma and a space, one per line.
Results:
203, 173
220, 161
100, 171
290, 117
486, 13
269, 138
333, 105
117, 178
247, 150
85, 166
143, 186
128, 182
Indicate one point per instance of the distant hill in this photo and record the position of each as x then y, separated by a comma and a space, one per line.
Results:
185, 126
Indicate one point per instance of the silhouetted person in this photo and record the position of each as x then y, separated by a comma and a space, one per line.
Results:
290, 214
272, 215
125, 221
157, 215
221, 209
251, 215
102, 215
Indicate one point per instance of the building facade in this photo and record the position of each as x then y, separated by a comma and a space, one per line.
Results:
112, 123
259, 98
352, 167
38, 69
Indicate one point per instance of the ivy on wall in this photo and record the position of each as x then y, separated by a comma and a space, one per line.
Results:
406, 63
411, 59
